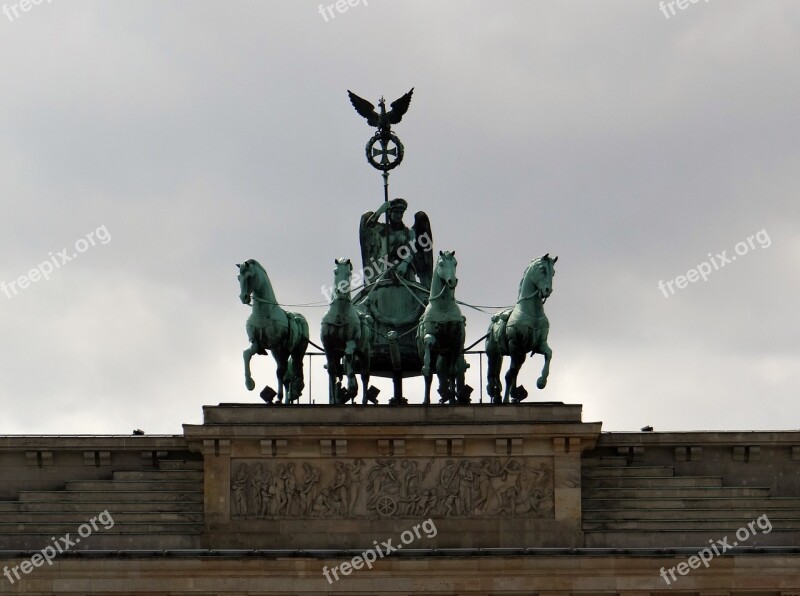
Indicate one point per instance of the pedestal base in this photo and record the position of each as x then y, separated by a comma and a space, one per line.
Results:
326, 477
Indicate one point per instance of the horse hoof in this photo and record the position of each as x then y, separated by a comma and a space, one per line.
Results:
250, 384
541, 383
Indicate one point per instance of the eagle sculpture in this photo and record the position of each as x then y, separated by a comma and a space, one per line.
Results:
383, 120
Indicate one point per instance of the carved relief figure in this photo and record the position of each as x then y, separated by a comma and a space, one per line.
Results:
465, 480
323, 504
310, 480
239, 485
279, 490
447, 475
382, 481
540, 495
256, 490
355, 473
264, 494
484, 485
290, 483
339, 486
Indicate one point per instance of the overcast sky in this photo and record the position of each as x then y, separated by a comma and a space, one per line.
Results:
182, 137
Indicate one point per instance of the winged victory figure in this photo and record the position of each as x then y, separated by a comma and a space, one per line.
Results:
410, 250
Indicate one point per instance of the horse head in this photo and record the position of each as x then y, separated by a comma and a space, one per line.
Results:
341, 278
248, 279
446, 268
538, 278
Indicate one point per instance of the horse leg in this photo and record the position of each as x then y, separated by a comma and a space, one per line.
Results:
332, 366
365, 358
441, 366
458, 367
287, 381
493, 367
461, 385
364, 361
452, 373
297, 382
330, 346
517, 360
364, 388
447, 376
282, 363
248, 354
548, 354
491, 378
349, 371
428, 341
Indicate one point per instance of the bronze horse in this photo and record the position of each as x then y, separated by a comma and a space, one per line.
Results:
440, 335
515, 332
269, 327
347, 340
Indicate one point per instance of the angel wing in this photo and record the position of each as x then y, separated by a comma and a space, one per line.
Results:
371, 245
399, 107
423, 257
366, 109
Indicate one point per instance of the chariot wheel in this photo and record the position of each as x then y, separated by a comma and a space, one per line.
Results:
386, 506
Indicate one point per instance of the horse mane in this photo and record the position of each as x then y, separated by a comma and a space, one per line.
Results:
257, 264
525, 276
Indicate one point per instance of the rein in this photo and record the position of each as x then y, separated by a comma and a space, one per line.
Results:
439, 295
537, 293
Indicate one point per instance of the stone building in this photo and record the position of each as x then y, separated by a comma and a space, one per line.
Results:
518, 499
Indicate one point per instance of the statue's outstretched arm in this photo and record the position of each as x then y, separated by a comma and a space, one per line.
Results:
380, 211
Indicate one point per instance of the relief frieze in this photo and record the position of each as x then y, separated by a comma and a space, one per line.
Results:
392, 488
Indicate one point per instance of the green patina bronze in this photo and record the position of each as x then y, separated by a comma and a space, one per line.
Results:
519, 330
269, 327
403, 320
397, 269
347, 339
440, 335
392, 248
397, 262
391, 150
